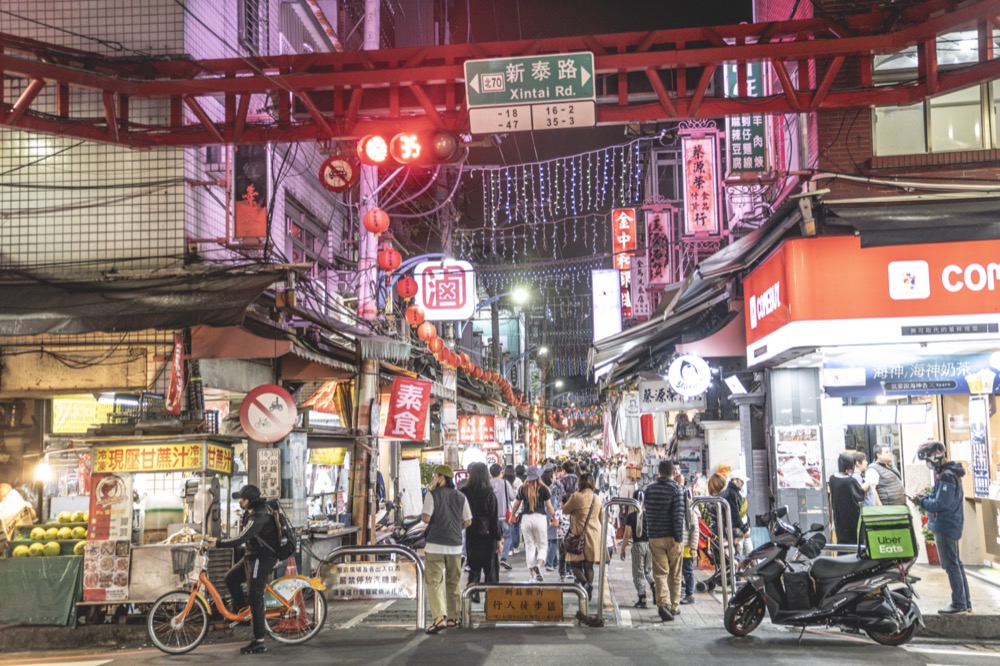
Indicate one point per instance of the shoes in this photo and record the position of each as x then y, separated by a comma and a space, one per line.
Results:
537, 574
641, 603
440, 625
665, 613
503, 563
467, 568
675, 611
951, 610
254, 647
548, 568
475, 597
689, 599
590, 591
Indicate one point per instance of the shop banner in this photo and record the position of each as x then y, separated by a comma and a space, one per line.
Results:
642, 304
408, 405
109, 537
175, 391
701, 187
476, 430
979, 438
658, 235
869, 374
799, 457
657, 396
165, 457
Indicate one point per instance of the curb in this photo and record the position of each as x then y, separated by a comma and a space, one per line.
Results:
108, 636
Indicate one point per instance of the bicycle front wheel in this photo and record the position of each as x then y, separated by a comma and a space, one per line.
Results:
304, 617
171, 633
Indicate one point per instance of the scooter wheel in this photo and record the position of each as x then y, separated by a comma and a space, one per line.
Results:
742, 619
900, 637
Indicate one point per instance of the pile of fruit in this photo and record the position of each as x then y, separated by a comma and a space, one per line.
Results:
64, 537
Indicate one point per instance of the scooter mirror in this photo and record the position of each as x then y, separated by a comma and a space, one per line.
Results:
781, 512
816, 527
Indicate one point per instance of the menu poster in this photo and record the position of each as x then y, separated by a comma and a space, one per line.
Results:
799, 457
109, 536
979, 417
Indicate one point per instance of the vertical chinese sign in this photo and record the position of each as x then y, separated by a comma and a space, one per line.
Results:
660, 245
623, 231
746, 134
175, 391
699, 151
642, 306
109, 538
408, 404
476, 430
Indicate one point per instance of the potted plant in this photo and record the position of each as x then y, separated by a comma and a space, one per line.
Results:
929, 544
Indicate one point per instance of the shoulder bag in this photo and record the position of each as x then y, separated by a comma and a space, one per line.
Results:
574, 543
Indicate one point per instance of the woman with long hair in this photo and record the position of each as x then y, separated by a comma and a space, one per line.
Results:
584, 510
483, 538
538, 514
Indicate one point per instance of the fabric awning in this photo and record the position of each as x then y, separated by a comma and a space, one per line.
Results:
916, 221
118, 304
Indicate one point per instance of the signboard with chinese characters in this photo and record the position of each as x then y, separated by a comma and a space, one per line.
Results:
165, 457
269, 472
109, 535
642, 305
658, 244
370, 580
446, 290
476, 430
623, 233
408, 404
866, 374
523, 603
657, 396
701, 187
746, 135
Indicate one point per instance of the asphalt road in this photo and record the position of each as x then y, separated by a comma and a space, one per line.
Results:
546, 645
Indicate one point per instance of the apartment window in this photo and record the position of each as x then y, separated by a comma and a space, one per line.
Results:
961, 120
253, 26
307, 239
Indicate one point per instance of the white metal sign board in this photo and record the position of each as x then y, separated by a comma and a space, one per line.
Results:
446, 290
269, 472
563, 115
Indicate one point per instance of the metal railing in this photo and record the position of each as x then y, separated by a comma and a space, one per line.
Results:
581, 595
602, 547
724, 525
391, 549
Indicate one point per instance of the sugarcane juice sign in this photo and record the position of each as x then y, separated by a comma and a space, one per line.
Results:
523, 604
162, 457
109, 537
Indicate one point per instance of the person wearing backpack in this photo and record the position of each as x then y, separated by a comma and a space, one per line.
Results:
259, 535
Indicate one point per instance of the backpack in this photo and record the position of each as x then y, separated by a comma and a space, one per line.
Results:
288, 542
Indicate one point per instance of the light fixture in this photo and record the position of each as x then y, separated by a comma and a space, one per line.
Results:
520, 295
543, 351
559, 383
43, 472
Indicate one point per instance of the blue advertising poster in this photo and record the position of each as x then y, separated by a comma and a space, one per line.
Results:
867, 374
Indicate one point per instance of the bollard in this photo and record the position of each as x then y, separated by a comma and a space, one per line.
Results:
724, 521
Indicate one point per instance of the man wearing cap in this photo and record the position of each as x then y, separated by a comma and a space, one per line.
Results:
733, 494
259, 534
446, 512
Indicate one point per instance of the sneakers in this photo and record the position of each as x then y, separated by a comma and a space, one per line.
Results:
689, 599
641, 603
503, 563
548, 568
665, 613
951, 610
254, 647
537, 574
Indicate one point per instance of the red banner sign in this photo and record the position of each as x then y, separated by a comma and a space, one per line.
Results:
175, 391
476, 429
408, 405
623, 229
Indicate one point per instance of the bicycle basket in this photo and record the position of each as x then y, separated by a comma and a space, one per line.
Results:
182, 560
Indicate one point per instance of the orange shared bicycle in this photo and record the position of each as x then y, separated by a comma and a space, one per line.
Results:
294, 608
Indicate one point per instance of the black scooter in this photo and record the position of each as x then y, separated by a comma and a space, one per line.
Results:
849, 592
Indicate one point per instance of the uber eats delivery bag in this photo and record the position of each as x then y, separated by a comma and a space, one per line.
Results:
886, 533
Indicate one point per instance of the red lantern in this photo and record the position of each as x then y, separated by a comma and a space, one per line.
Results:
406, 287
414, 315
435, 344
494, 377
466, 359
388, 259
426, 331
478, 373
376, 220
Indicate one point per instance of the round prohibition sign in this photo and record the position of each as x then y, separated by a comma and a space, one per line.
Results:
268, 413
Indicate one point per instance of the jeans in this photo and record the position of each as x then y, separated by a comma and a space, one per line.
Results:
515, 534
666, 555
687, 573
951, 562
508, 538
536, 538
444, 580
552, 558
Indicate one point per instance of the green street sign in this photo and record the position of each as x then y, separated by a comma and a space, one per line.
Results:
746, 134
540, 79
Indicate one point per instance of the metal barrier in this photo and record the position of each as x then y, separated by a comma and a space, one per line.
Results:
724, 523
581, 595
603, 546
393, 549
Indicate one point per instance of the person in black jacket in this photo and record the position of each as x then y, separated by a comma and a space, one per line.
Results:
483, 538
665, 510
733, 494
259, 535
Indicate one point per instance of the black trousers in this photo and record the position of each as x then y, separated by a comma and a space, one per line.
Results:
583, 571
254, 570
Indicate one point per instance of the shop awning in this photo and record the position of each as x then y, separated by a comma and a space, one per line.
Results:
933, 219
32, 306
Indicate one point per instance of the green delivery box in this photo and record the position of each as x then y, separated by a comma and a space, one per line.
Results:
886, 533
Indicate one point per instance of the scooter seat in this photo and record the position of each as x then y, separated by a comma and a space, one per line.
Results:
825, 568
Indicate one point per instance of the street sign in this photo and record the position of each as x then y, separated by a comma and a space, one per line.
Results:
269, 473
268, 413
564, 77
531, 93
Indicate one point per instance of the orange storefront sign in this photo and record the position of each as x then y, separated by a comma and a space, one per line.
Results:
814, 292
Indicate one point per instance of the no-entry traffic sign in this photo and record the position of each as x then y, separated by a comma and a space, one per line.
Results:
268, 413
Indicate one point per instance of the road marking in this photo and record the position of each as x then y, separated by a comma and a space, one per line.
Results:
359, 618
60, 662
626, 618
957, 653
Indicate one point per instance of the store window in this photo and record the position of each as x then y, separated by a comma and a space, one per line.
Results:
961, 120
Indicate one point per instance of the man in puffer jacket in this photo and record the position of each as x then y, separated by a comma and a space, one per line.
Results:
944, 507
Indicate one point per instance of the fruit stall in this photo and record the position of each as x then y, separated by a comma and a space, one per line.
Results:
119, 551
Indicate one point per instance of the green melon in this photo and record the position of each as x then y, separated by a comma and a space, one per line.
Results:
64, 517
65, 533
79, 548
52, 548
37, 533
79, 533
21, 551
36, 550
51, 533
79, 517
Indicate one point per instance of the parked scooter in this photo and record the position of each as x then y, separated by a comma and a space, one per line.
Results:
849, 592
411, 532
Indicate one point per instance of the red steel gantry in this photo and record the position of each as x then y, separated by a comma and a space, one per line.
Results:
649, 76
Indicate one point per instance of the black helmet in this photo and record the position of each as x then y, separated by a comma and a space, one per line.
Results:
931, 452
